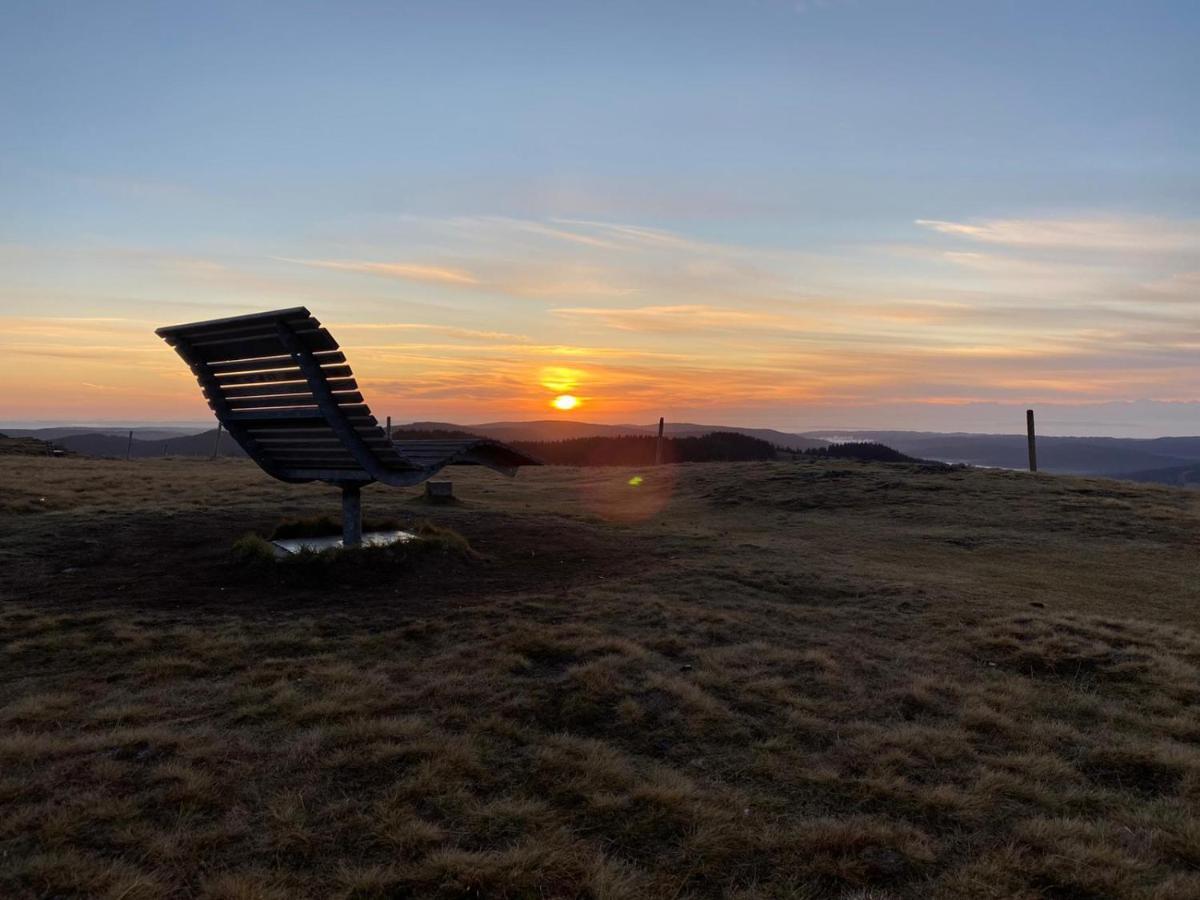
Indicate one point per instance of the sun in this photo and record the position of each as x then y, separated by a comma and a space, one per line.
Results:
564, 402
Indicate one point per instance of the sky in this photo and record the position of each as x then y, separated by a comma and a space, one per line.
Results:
804, 215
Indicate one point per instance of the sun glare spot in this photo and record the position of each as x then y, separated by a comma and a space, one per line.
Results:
564, 402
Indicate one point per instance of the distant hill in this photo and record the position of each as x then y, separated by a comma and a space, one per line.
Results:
1065, 455
24, 446
560, 429
640, 449
864, 451
116, 446
412, 433
145, 433
1187, 475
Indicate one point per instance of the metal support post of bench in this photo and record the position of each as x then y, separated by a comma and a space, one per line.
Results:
351, 515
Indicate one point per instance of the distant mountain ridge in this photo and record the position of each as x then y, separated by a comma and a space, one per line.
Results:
117, 445
1137, 459
559, 429
1177, 476
114, 443
142, 432
1168, 460
23, 446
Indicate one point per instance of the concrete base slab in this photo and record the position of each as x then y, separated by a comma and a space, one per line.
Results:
291, 546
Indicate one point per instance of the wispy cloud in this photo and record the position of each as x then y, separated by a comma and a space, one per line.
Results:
471, 334
636, 235
404, 271
674, 319
1135, 234
542, 230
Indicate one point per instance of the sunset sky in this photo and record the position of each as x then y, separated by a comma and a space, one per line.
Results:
882, 213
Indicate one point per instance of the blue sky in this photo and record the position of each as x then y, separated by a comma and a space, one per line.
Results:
779, 169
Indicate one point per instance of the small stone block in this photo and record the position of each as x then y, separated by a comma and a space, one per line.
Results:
439, 491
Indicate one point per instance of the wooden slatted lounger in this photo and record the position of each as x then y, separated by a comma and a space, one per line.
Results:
281, 387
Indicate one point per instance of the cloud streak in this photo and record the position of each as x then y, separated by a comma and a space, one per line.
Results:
1124, 234
676, 319
399, 270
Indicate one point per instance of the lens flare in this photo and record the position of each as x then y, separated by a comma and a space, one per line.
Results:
617, 496
564, 402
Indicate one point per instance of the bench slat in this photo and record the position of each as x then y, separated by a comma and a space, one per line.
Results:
294, 449
276, 375
289, 387
275, 315
243, 403
333, 476
266, 332
254, 403
359, 415
259, 347
269, 363
383, 452
264, 328
289, 455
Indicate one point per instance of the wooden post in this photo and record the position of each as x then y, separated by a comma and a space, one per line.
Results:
217, 441
1032, 440
658, 443
389, 427
129, 447
351, 515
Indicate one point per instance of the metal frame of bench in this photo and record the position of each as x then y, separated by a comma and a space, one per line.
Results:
282, 389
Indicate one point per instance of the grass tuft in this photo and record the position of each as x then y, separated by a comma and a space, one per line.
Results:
253, 549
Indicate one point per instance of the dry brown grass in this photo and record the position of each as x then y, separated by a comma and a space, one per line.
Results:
781, 680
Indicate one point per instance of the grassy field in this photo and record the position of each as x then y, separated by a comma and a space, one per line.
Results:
809, 679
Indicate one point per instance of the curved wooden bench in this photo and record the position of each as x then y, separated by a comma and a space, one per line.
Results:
282, 389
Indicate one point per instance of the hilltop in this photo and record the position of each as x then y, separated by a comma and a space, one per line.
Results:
1135, 459
562, 429
815, 678
23, 446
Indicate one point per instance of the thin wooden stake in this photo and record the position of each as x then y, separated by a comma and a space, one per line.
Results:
658, 447
217, 441
129, 447
1032, 440
389, 431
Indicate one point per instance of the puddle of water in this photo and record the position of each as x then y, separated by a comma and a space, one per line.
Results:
291, 546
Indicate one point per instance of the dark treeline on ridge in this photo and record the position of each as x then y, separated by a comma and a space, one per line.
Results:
866, 451
638, 450
430, 434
